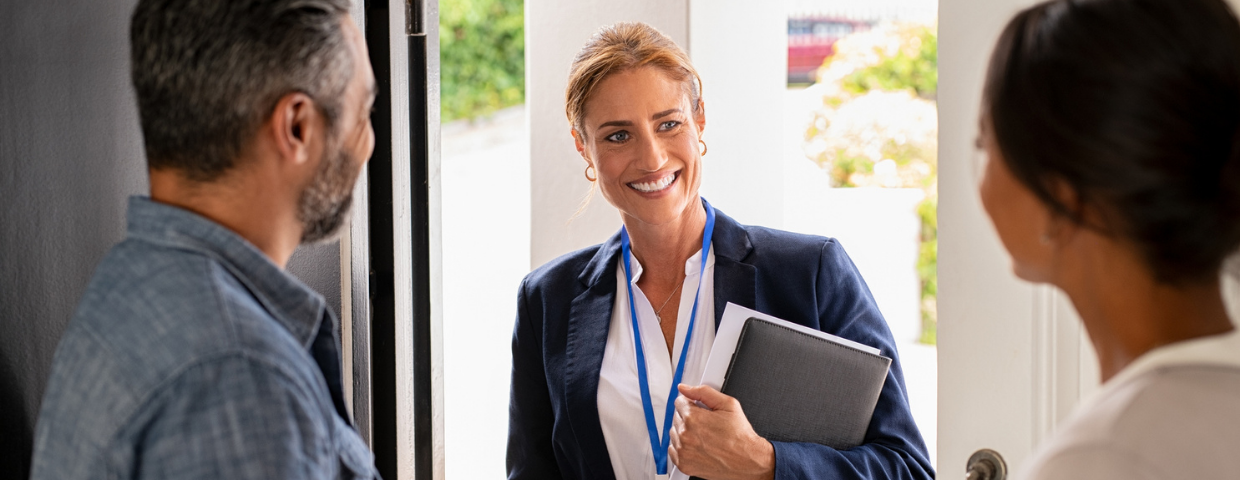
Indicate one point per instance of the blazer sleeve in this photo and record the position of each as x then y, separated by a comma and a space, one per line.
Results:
893, 447
530, 417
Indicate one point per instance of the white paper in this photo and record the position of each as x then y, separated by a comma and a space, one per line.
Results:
729, 333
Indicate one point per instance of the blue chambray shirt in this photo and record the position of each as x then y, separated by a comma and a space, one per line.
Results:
193, 356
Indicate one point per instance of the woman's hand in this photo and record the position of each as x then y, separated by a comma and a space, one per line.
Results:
717, 442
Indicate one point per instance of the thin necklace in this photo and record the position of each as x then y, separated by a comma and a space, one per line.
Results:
657, 313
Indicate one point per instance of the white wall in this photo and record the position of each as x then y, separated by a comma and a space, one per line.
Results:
554, 31
741, 52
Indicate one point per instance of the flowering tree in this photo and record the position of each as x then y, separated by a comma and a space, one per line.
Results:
878, 127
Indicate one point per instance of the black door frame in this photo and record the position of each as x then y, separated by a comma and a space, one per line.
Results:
422, 61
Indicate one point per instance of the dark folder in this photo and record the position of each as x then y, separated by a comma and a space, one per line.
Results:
795, 387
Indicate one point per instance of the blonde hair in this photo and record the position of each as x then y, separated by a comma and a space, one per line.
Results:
620, 47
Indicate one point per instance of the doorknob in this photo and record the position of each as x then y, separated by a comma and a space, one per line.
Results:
986, 464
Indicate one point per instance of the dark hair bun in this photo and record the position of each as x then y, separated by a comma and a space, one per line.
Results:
1136, 105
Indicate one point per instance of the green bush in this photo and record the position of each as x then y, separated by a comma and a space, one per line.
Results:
482, 56
928, 267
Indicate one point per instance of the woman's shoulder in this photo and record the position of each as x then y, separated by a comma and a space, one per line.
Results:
1133, 420
764, 240
1152, 402
770, 244
786, 239
563, 269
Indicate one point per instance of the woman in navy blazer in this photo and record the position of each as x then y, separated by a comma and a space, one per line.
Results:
565, 308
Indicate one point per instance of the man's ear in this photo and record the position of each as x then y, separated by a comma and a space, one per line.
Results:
295, 125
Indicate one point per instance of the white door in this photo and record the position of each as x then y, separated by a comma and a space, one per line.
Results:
1010, 354
1013, 359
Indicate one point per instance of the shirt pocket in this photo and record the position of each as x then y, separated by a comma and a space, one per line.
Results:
357, 462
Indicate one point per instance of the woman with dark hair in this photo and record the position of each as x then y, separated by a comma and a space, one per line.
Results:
1112, 129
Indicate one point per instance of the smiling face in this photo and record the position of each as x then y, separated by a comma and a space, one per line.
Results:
641, 137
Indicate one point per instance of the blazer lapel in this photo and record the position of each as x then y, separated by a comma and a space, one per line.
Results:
734, 279
588, 322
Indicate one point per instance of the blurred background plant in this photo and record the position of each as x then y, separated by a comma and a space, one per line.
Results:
482, 56
877, 126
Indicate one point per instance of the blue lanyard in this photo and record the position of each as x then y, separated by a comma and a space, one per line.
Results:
660, 446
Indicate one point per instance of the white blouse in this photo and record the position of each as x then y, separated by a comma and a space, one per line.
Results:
1174, 413
619, 394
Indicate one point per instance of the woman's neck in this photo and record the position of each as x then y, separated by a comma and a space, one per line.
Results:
1127, 313
663, 249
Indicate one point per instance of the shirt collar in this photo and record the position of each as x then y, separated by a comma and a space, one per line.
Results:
691, 265
294, 305
729, 241
1218, 350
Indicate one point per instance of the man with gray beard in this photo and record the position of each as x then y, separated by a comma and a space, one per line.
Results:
193, 354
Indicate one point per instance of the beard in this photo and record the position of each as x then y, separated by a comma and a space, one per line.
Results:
325, 204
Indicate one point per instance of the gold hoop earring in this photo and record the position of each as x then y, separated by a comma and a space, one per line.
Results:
588, 168
703, 152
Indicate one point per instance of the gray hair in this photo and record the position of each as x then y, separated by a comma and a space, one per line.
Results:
209, 72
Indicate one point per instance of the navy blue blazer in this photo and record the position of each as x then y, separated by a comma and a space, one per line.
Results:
563, 315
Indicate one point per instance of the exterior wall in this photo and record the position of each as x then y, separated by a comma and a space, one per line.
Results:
740, 49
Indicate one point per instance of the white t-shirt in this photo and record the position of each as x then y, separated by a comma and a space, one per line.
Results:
1174, 413
619, 394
